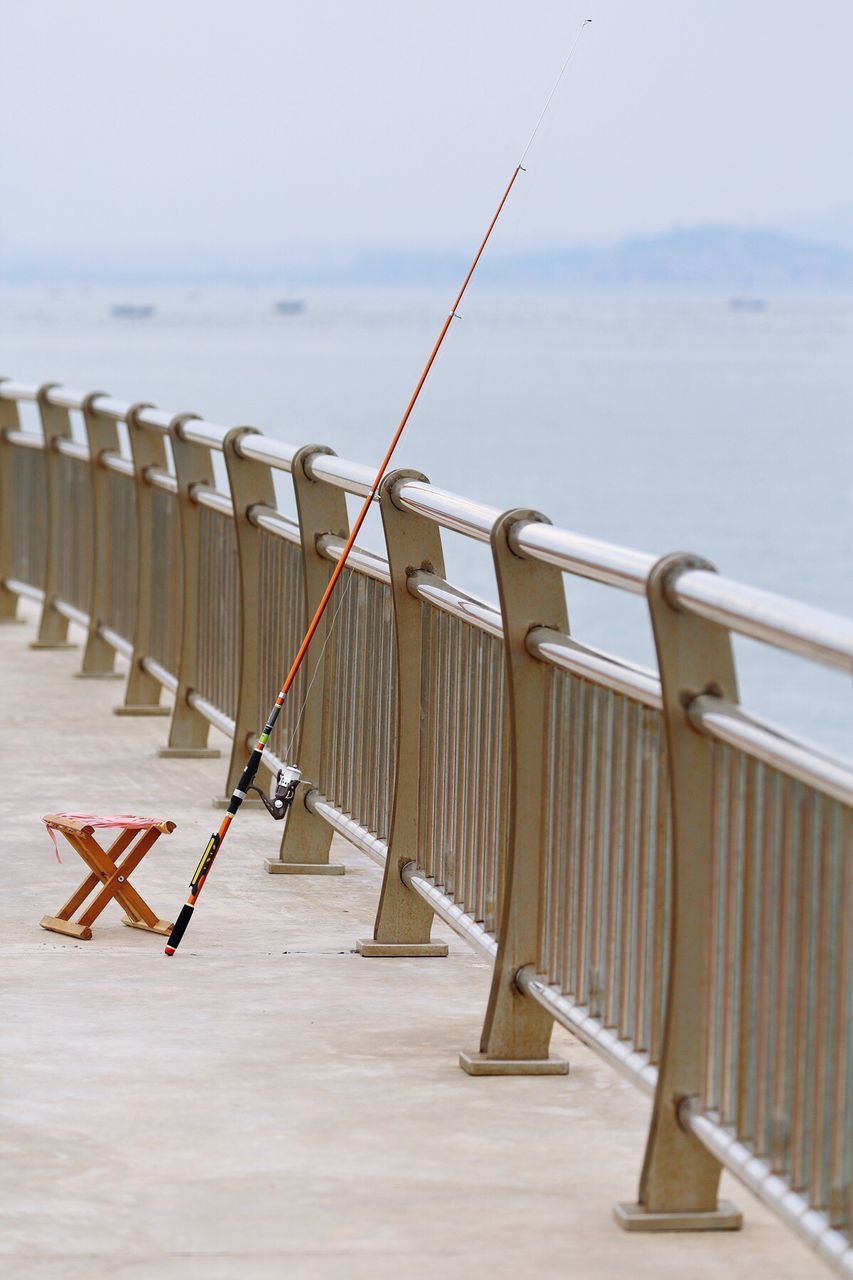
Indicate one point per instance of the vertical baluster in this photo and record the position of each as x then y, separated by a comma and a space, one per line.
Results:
251, 684
841, 1096
367, 711
188, 731
56, 426
724, 964
806, 996
441, 746
480, 760
661, 897
653, 876
579, 920
489, 775
629, 874
321, 510
403, 919
466, 800
426, 848
745, 1087
639, 1030
476, 854
388, 754
102, 435
356, 689
772, 862
560, 852
10, 421
601, 864
517, 1031
455, 705
680, 1178
824, 1063
712, 1029
504, 787
781, 1069
616, 962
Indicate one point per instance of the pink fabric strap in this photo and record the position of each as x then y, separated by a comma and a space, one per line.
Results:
125, 820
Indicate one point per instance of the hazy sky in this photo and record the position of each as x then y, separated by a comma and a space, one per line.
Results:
205, 123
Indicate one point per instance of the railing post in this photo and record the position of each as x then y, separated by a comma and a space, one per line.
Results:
56, 425
102, 435
9, 421
142, 692
322, 508
193, 465
251, 484
403, 919
680, 1177
517, 1032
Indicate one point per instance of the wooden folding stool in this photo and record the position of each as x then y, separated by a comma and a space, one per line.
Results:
135, 838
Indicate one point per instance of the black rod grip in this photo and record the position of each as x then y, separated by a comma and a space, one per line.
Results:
179, 928
248, 775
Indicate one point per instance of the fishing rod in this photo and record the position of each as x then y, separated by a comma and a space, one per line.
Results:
289, 777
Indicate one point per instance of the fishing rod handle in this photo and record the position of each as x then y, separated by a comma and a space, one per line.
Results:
179, 928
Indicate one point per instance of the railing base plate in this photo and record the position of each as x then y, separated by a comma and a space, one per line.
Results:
53, 644
477, 1064
142, 709
278, 868
370, 949
189, 753
635, 1217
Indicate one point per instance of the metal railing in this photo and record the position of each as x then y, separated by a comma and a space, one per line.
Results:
643, 861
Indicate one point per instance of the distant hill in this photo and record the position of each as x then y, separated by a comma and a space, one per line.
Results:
698, 258
693, 258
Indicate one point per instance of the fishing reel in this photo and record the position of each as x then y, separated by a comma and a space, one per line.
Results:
287, 780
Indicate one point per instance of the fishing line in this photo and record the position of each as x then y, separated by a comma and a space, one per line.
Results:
530, 141
554, 89
289, 776
329, 629
331, 624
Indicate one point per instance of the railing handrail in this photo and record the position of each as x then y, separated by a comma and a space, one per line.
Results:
352, 477
26, 392
802, 629
66, 397
199, 431
762, 615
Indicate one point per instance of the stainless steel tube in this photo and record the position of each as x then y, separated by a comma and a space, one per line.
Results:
450, 510
800, 628
197, 431
587, 557
275, 453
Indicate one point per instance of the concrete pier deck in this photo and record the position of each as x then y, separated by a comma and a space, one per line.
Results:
268, 1103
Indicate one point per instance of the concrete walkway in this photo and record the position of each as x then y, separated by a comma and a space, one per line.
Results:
267, 1103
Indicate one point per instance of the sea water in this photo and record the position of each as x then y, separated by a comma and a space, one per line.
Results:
662, 423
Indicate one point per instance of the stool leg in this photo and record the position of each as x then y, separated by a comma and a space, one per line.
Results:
78, 897
139, 914
114, 884
83, 890
62, 922
123, 892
